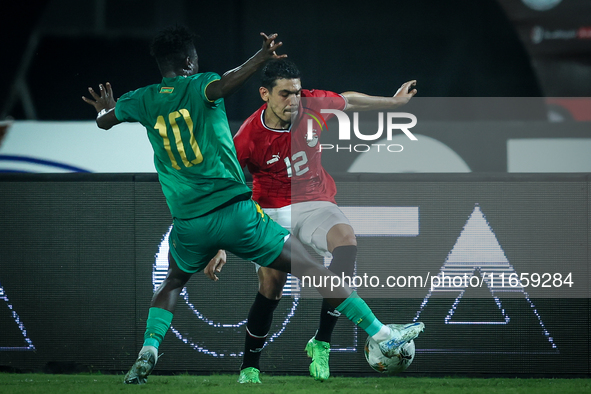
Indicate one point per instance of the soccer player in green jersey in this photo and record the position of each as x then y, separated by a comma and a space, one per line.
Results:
205, 189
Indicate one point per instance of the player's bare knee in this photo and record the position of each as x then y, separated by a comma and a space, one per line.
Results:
271, 288
272, 293
343, 238
348, 240
271, 283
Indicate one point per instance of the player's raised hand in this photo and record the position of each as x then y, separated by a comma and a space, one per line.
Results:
104, 101
233, 79
407, 90
269, 47
215, 265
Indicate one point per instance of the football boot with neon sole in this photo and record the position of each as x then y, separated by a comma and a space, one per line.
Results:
249, 375
401, 334
319, 352
143, 366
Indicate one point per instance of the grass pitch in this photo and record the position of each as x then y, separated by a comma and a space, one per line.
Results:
214, 384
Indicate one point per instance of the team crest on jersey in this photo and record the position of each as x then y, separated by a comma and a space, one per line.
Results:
313, 141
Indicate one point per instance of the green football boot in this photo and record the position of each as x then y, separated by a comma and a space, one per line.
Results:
143, 366
319, 352
249, 375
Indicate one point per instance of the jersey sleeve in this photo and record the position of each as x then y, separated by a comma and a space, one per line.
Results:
331, 100
202, 81
242, 143
127, 108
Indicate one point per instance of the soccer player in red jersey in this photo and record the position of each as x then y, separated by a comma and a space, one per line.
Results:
294, 189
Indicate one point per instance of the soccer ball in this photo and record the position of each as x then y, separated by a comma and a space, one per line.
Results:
389, 365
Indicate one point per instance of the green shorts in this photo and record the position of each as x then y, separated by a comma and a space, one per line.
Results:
241, 228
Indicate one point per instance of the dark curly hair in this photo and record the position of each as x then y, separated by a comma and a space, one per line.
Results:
171, 46
278, 69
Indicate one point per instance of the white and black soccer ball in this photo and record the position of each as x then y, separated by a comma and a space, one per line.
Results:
389, 365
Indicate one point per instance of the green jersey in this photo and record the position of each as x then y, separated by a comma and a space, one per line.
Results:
193, 149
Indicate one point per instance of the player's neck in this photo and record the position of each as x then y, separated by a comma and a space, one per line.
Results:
274, 122
176, 73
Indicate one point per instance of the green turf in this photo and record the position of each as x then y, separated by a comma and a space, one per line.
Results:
48, 384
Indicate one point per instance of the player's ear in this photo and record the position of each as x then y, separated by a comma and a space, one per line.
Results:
264, 92
191, 64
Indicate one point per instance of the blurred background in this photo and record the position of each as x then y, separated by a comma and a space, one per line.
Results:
53, 50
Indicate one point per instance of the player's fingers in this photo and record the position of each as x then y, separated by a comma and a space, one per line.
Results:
104, 93
272, 49
213, 277
208, 271
109, 89
269, 40
93, 94
219, 264
274, 46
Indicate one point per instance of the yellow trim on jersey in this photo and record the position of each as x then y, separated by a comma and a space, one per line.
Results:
205, 89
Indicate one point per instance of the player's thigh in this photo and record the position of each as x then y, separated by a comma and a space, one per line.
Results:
191, 243
281, 215
248, 232
318, 217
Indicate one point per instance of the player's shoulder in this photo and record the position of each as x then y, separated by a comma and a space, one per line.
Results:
309, 93
251, 124
206, 76
138, 93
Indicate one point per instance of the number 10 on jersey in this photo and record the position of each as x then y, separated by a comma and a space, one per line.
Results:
180, 147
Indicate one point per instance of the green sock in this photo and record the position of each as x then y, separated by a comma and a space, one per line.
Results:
156, 326
359, 313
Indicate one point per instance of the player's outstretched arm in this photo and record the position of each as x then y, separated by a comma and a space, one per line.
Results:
104, 106
363, 102
234, 78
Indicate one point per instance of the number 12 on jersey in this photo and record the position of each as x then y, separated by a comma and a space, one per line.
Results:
299, 161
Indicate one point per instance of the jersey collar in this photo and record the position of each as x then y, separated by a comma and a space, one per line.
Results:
270, 129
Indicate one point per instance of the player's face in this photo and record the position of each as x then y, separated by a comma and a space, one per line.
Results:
283, 100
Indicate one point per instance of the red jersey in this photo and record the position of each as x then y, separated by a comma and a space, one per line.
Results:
285, 166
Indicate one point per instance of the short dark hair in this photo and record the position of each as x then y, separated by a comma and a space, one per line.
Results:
171, 46
278, 69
